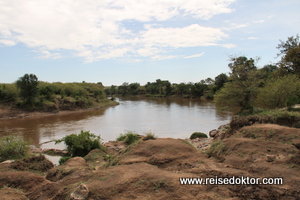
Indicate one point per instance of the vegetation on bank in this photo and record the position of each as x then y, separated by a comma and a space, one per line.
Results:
12, 148
198, 135
273, 86
30, 93
80, 144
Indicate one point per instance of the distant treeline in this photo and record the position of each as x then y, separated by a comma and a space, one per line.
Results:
247, 86
163, 88
28, 92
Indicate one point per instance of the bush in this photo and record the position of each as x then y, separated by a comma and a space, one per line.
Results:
149, 136
279, 92
8, 92
81, 144
128, 138
198, 135
12, 148
62, 160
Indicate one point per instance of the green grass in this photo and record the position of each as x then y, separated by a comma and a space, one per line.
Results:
217, 149
129, 137
149, 136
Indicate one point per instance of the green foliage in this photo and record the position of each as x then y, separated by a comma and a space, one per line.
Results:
149, 136
27, 85
81, 144
242, 89
8, 92
198, 135
220, 80
62, 160
12, 148
279, 92
217, 149
129, 137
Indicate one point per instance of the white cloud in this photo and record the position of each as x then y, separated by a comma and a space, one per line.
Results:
236, 26
8, 42
195, 55
163, 57
252, 38
96, 30
259, 21
48, 55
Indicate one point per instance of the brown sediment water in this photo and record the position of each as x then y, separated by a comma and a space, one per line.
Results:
165, 117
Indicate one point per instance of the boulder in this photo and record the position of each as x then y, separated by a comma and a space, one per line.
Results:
81, 192
213, 133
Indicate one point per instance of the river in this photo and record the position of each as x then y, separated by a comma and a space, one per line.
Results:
165, 117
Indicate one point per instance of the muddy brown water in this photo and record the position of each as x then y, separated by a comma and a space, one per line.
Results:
165, 117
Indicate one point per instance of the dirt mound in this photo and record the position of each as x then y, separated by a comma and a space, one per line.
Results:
152, 169
271, 132
36, 163
164, 153
26, 181
7, 193
74, 169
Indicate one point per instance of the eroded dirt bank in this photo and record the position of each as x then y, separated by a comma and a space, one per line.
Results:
10, 112
151, 170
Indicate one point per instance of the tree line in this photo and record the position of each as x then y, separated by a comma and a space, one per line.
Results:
246, 86
163, 88
29, 92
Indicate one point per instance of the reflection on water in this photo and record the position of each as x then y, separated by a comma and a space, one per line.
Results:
166, 117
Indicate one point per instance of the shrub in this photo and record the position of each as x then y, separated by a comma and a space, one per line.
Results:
62, 160
81, 144
128, 138
149, 136
198, 135
12, 148
279, 92
8, 92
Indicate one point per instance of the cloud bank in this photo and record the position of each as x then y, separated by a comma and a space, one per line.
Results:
96, 30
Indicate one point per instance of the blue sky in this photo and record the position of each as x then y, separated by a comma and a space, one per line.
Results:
116, 41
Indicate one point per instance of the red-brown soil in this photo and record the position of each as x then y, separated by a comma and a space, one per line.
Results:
151, 170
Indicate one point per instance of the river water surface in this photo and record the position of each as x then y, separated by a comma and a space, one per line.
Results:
165, 117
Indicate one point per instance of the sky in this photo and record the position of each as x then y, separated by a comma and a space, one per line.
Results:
117, 41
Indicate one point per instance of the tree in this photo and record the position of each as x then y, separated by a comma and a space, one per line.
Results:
220, 80
279, 92
27, 86
290, 60
284, 47
243, 85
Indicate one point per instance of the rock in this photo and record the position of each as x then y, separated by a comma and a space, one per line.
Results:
76, 162
212, 133
81, 192
270, 158
8, 162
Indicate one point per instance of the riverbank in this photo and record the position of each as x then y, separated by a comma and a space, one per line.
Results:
10, 112
154, 169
